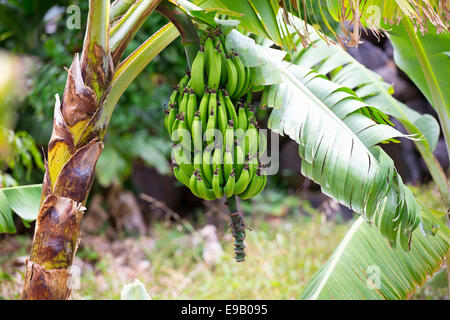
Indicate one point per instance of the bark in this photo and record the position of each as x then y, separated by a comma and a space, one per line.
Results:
73, 152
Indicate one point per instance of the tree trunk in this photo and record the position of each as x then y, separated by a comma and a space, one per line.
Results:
73, 151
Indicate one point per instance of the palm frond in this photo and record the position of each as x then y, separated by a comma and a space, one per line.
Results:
343, 69
262, 17
337, 141
364, 267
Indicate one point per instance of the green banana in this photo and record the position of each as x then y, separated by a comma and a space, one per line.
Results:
263, 184
218, 191
197, 135
209, 47
184, 133
222, 116
173, 97
183, 82
250, 112
181, 160
211, 123
166, 117
181, 176
198, 157
175, 124
232, 75
239, 158
217, 163
240, 75
198, 73
171, 120
193, 184
253, 187
212, 103
231, 111
229, 186
207, 164
227, 162
251, 140
180, 88
243, 181
247, 83
252, 163
210, 128
191, 108
242, 118
223, 73
203, 109
184, 101
203, 190
228, 136
215, 70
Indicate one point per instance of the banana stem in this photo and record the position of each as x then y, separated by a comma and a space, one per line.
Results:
184, 25
238, 228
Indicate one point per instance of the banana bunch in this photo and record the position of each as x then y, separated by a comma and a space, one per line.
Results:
216, 142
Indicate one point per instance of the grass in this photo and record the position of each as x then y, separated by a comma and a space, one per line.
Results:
287, 245
281, 257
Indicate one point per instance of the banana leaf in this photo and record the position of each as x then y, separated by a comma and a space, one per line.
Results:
337, 136
22, 200
363, 266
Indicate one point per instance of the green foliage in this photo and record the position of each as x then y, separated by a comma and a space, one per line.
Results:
139, 112
23, 200
21, 158
425, 59
431, 74
376, 271
115, 163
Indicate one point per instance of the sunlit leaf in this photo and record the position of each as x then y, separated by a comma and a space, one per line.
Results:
336, 140
22, 200
364, 267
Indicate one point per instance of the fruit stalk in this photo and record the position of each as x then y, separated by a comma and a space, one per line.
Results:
237, 225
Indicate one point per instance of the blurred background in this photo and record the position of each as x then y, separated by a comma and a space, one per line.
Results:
142, 223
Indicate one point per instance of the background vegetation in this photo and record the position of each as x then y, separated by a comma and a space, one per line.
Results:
294, 229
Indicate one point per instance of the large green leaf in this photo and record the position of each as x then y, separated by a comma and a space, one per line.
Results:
424, 58
343, 69
23, 200
363, 266
6, 217
337, 139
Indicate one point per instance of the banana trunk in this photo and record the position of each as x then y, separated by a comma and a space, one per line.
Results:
73, 151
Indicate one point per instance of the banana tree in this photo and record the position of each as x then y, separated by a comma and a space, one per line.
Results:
336, 121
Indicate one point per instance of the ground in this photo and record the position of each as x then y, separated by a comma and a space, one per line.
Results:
181, 260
